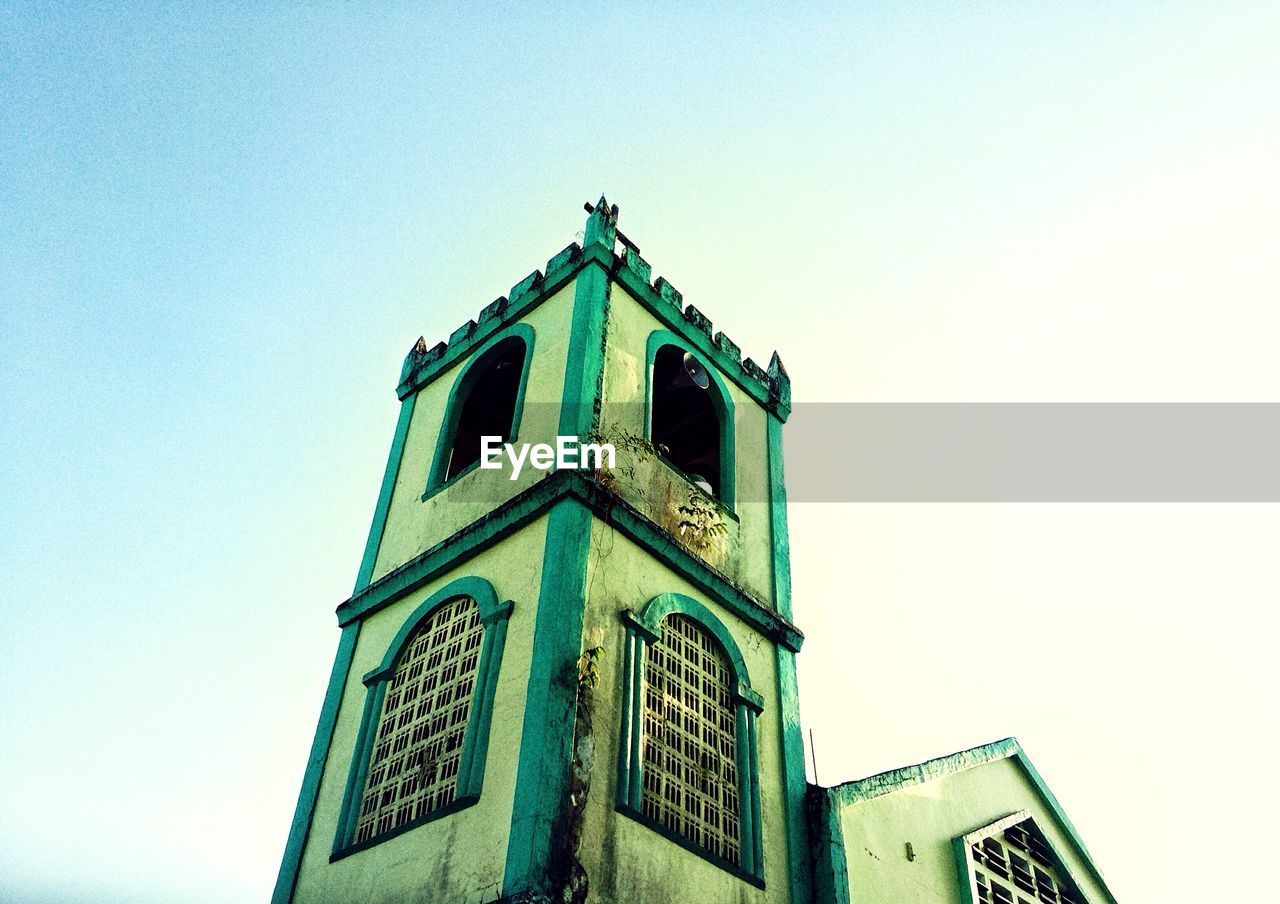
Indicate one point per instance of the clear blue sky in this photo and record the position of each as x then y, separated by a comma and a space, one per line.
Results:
221, 230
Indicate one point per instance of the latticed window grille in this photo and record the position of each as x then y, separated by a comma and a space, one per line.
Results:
413, 768
1017, 867
690, 739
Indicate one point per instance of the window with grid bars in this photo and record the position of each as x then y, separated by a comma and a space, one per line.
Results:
690, 771
1017, 866
413, 767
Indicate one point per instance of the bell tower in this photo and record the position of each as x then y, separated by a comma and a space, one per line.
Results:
568, 685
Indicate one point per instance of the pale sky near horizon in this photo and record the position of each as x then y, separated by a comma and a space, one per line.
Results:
221, 231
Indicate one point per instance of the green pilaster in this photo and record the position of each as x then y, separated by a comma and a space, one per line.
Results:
546, 739
830, 867
793, 787
778, 521
292, 862
301, 827
584, 370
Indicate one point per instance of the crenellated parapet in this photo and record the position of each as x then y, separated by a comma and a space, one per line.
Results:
424, 363
770, 387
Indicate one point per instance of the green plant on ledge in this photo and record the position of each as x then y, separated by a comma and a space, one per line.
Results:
701, 521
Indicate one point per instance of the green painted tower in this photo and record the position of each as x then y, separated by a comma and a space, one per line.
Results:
575, 684
579, 685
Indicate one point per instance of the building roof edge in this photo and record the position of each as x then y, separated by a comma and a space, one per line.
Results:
883, 783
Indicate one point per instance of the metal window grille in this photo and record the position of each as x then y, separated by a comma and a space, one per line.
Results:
690, 739
1018, 868
413, 768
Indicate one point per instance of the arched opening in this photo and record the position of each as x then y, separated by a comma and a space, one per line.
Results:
688, 763
691, 783
686, 421
488, 405
421, 746
418, 741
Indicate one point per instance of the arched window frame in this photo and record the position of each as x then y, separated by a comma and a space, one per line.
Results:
721, 400
461, 390
643, 630
493, 616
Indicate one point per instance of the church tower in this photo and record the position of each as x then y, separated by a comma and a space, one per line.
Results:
574, 684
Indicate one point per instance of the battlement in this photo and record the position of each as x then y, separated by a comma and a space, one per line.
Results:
770, 386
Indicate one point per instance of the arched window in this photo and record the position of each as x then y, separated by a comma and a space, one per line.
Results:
413, 768
690, 739
690, 415
687, 763
486, 400
423, 738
